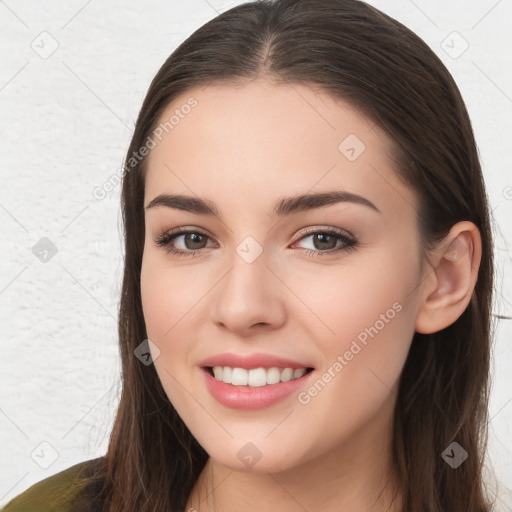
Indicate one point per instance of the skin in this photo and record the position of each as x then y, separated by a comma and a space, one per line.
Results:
243, 148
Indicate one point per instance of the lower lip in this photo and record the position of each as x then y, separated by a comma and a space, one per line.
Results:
247, 397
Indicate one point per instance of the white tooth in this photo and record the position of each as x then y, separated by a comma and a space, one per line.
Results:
273, 376
227, 374
299, 372
217, 372
286, 375
257, 377
239, 377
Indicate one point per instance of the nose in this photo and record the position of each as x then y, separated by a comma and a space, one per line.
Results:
249, 298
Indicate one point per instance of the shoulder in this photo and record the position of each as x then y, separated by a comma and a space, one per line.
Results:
57, 493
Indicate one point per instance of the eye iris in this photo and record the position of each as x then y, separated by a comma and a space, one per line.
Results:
324, 238
195, 238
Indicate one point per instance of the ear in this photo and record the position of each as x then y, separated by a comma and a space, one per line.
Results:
448, 288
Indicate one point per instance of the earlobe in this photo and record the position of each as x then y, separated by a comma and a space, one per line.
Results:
456, 262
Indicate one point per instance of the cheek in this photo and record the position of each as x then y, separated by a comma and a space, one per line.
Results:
347, 299
174, 301
168, 299
157, 302
367, 317
169, 296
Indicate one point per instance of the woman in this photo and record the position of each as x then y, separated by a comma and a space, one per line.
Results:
263, 369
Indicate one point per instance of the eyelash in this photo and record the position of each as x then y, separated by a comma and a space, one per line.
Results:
164, 240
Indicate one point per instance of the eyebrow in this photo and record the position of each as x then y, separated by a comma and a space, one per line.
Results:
285, 206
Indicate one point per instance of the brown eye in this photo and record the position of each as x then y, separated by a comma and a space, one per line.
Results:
323, 241
327, 241
194, 241
189, 242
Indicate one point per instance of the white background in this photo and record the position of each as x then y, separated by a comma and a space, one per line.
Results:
66, 123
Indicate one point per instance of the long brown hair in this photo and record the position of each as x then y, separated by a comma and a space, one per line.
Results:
353, 52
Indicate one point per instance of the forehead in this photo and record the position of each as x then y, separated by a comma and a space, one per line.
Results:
267, 139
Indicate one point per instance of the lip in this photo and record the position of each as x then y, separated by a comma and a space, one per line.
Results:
249, 362
247, 397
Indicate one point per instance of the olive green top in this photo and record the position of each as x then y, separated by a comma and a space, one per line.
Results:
53, 494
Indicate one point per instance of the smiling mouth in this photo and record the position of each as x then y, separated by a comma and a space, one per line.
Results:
255, 377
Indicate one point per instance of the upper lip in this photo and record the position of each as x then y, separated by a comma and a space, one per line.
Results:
252, 361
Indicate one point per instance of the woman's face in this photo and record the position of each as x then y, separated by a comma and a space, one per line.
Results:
275, 281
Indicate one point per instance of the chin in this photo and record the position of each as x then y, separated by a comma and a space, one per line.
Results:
261, 466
